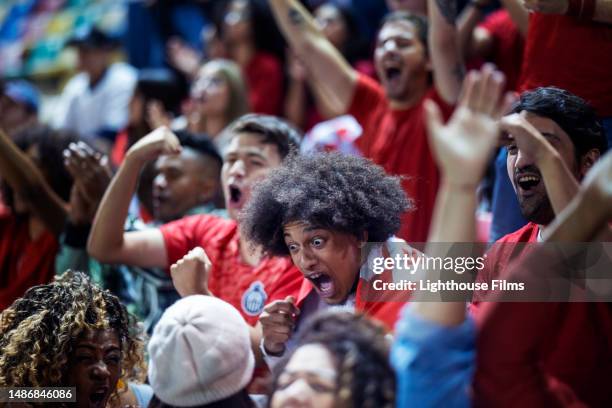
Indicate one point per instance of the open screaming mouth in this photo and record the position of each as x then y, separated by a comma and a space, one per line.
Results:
528, 182
235, 194
323, 283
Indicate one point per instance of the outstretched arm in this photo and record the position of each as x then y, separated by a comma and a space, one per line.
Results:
446, 58
107, 241
329, 72
25, 178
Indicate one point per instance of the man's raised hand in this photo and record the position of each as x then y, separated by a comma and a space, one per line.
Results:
158, 142
462, 148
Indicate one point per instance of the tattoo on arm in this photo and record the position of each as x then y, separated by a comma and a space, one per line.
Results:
448, 9
295, 17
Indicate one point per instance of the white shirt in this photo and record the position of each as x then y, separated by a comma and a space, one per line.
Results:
104, 108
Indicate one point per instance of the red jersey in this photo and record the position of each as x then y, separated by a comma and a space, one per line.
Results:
264, 78
554, 354
23, 263
508, 45
385, 311
571, 54
396, 139
248, 288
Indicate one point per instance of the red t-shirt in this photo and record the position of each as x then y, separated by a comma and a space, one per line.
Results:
397, 140
553, 352
264, 78
508, 45
23, 263
571, 54
384, 306
248, 288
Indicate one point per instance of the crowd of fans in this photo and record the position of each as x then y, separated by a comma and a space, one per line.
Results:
197, 229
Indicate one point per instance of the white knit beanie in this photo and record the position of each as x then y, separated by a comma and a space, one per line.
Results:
200, 352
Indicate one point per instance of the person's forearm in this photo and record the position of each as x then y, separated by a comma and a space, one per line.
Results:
295, 102
446, 58
453, 221
106, 236
579, 222
603, 11
466, 23
327, 68
26, 179
518, 14
561, 185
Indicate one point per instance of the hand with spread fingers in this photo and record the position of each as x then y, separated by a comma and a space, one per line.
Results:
463, 147
190, 273
158, 142
278, 322
92, 174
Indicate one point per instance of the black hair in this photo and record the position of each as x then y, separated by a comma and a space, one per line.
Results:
201, 144
361, 354
572, 113
329, 190
420, 22
51, 145
274, 130
239, 400
164, 86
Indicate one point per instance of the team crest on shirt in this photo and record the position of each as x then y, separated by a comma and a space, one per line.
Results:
254, 299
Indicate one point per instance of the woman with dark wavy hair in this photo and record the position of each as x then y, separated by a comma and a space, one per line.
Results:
341, 360
321, 210
71, 333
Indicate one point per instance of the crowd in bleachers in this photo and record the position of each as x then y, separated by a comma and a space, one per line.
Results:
194, 219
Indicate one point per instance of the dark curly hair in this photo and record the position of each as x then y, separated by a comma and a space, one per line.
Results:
39, 330
329, 190
361, 356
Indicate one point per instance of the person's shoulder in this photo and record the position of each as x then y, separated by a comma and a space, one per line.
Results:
121, 72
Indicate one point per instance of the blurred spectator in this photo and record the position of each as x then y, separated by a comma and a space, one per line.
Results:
180, 21
94, 103
201, 356
573, 34
19, 105
339, 26
36, 187
255, 44
341, 360
218, 97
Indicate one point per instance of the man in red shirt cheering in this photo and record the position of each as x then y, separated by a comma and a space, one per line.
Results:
391, 113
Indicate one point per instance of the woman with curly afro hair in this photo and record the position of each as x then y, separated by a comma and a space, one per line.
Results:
321, 209
71, 333
341, 361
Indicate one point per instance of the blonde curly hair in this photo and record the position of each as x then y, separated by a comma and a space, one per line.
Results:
39, 330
